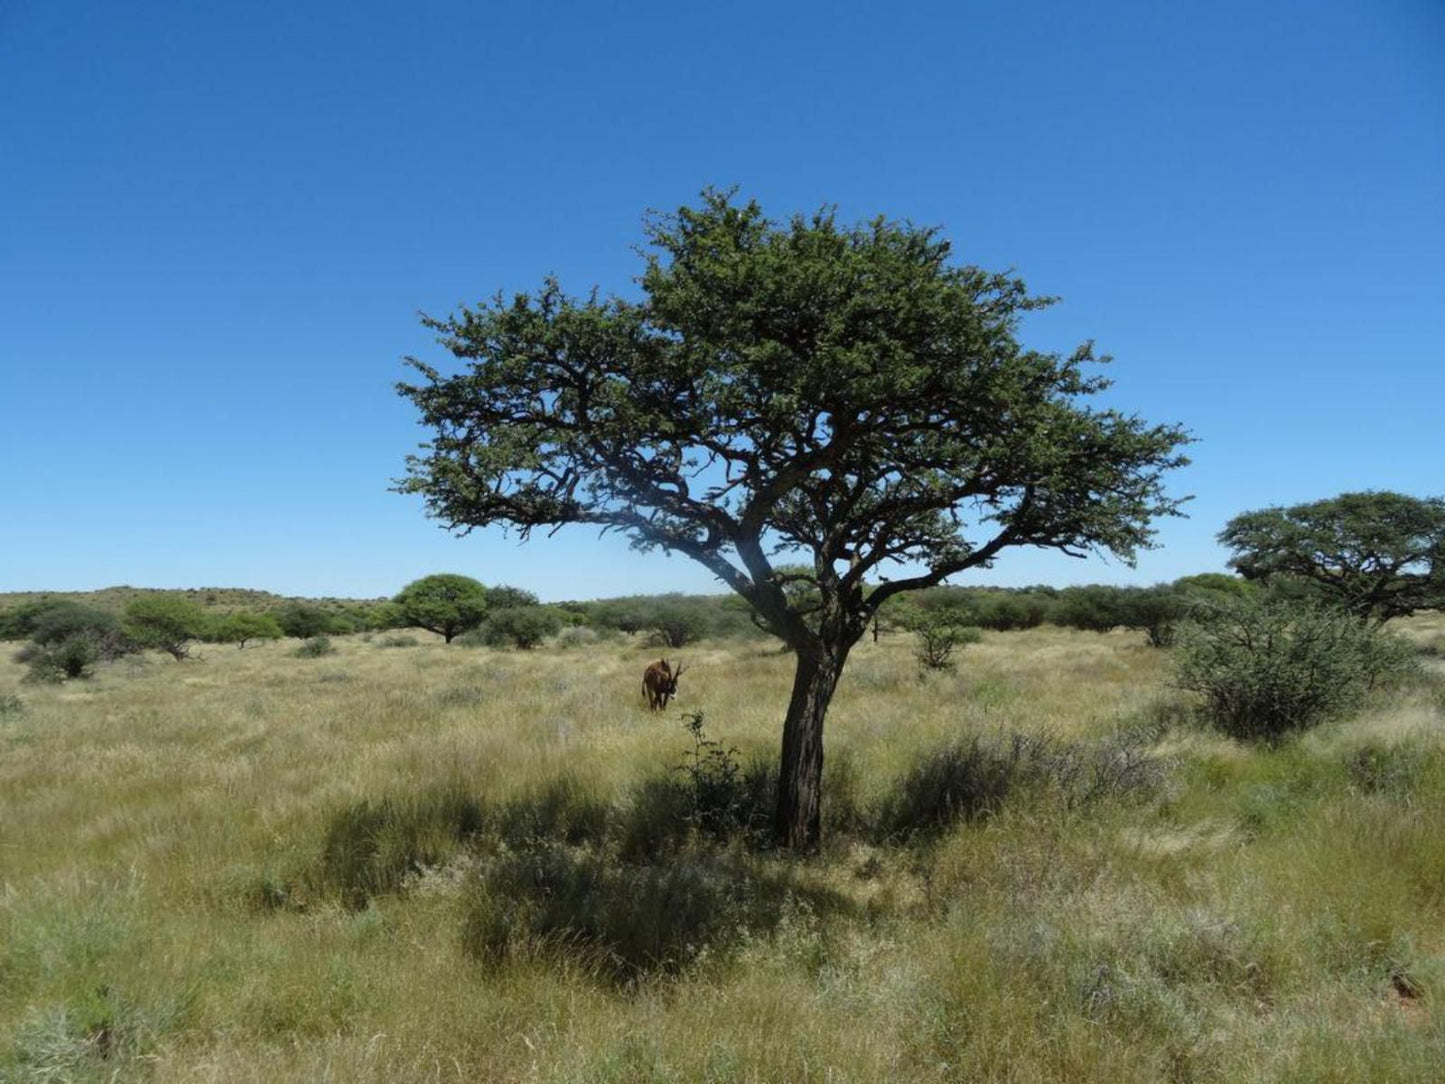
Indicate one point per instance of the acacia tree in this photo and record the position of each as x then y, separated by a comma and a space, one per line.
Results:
1377, 554
444, 603
803, 390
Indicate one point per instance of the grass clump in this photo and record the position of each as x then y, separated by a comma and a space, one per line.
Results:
622, 923
1266, 669
971, 780
371, 848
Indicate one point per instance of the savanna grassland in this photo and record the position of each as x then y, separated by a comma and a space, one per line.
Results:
411, 861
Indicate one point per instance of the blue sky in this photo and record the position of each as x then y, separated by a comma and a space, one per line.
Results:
217, 224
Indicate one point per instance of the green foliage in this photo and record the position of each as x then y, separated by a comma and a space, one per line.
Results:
445, 603
502, 597
240, 627
1266, 668
1093, 607
315, 647
72, 657
11, 706
679, 623
166, 623
302, 621
1376, 554
523, 627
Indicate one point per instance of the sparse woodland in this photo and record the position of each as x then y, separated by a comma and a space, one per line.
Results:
406, 860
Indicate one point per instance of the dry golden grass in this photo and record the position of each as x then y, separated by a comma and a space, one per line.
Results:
1254, 920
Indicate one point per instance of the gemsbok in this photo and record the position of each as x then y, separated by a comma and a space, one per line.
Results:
659, 683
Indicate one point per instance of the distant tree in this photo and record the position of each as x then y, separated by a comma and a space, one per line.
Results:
165, 622
302, 621
503, 597
623, 614
679, 623
524, 627
445, 603
1377, 554
1095, 607
845, 396
241, 627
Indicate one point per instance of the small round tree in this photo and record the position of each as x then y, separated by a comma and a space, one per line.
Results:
445, 603
165, 622
845, 397
242, 627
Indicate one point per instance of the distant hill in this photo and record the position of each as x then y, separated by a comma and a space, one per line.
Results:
219, 599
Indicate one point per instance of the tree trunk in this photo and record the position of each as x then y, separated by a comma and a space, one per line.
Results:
800, 780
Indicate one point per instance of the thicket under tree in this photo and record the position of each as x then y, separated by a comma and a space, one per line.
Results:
844, 396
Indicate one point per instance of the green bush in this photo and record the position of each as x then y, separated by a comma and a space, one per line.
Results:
11, 706
1266, 668
165, 622
72, 657
522, 627
315, 647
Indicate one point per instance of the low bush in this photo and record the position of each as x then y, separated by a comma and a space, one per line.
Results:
72, 657
11, 706
522, 627
1267, 668
398, 639
315, 647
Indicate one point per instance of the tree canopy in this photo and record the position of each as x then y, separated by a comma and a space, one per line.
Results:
844, 397
1376, 553
445, 603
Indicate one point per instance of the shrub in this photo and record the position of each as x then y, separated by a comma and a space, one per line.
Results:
11, 705
522, 627
1266, 668
939, 633
315, 647
577, 636
72, 657
398, 639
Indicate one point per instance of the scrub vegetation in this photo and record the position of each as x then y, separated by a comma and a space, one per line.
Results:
406, 860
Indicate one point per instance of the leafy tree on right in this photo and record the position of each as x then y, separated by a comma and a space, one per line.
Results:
1377, 554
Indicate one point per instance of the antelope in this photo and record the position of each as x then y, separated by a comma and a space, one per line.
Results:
659, 684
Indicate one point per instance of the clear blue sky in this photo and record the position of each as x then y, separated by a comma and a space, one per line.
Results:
218, 221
